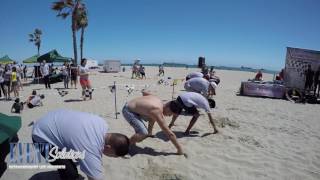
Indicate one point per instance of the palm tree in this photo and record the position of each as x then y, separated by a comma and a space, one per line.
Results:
64, 9
36, 38
82, 23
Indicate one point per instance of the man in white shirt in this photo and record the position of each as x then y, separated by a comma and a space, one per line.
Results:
201, 85
45, 74
190, 101
81, 132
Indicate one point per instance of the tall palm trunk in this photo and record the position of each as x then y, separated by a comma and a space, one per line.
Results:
81, 43
38, 50
74, 29
74, 46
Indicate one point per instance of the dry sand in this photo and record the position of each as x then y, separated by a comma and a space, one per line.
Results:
259, 138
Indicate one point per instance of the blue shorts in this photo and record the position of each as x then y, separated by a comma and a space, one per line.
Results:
134, 120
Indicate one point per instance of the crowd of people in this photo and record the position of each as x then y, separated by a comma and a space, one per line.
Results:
11, 76
70, 73
91, 133
138, 71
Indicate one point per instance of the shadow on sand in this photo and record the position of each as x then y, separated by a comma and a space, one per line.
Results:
179, 134
134, 150
73, 100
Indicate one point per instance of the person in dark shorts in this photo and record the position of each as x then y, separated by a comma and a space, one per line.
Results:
309, 79
142, 72
74, 75
189, 102
316, 82
7, 81
2, 89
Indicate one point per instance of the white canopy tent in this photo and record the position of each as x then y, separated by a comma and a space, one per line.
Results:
91, 64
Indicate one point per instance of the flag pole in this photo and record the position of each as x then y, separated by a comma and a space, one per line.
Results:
115, 98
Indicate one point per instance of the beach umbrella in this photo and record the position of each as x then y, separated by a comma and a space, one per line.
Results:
31, 60
9, 126
53, 57
5, 60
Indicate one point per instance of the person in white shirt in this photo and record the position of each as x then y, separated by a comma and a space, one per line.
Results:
34, 100
201, 85
189, 102
84, 80
45, 74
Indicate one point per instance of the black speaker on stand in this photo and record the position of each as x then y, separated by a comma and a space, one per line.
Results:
201, 62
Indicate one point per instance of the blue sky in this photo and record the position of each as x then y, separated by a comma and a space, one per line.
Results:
252, 33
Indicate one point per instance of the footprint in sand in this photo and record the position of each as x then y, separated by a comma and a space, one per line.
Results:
157, 172
232, 109
250, 141
225, 121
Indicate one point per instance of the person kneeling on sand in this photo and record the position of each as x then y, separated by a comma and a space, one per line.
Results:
150, 108
17, 106
190, 101
34, 100
89, 135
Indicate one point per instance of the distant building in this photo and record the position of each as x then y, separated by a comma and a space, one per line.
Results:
92, 64
112, 66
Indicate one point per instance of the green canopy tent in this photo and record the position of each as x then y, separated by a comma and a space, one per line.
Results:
53, 57
31, 60
9, 126
5, 60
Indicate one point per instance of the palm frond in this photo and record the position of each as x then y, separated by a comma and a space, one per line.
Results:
69, 3
64, 15
37, 31
58, 6
31, 36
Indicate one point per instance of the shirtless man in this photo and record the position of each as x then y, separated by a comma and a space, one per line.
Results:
190, 101
150, 108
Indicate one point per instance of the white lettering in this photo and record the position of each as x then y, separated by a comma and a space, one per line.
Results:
64, 154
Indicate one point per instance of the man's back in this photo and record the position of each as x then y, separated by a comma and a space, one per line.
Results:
195, 99
197, 84
145, 105
75, 130
70, 129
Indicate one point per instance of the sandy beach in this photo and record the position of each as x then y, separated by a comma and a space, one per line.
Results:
259, 138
